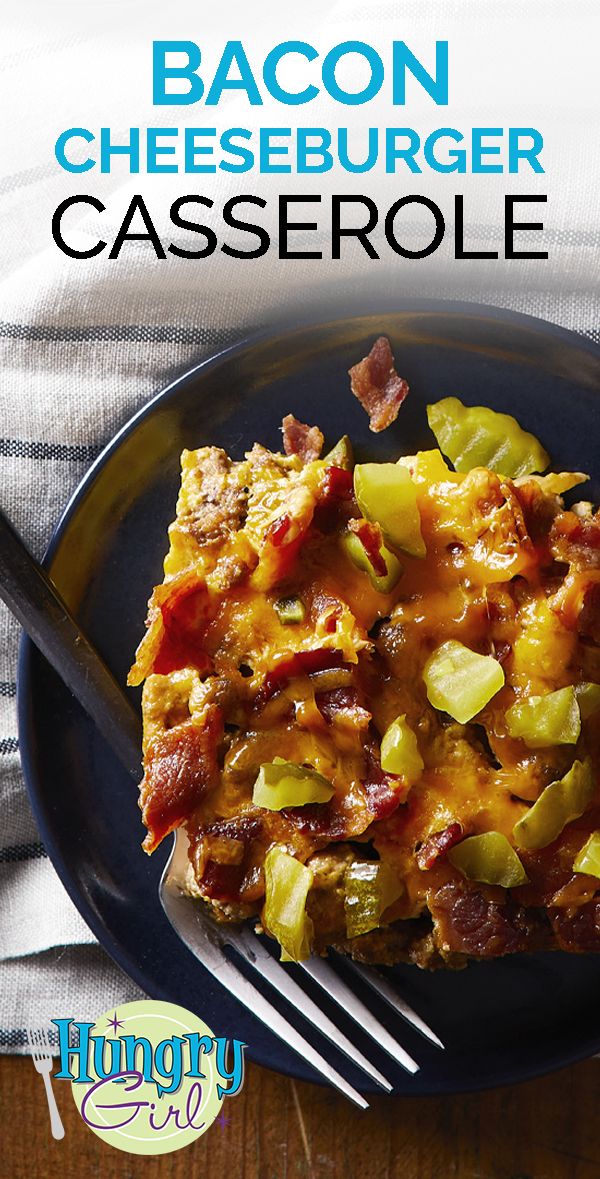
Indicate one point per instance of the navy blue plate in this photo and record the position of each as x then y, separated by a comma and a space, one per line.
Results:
502, 1021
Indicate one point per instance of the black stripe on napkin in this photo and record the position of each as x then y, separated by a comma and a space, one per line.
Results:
8, 745
62, 451
17, 1037
8, 688
139, 333
22, 851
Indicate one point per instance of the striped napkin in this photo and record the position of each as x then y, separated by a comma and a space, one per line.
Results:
85, 344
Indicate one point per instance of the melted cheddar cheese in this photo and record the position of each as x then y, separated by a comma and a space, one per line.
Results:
229, 686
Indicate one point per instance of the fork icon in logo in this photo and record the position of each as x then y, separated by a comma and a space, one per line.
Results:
39, 1047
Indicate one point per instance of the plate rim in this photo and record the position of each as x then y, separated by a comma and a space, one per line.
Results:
341, 312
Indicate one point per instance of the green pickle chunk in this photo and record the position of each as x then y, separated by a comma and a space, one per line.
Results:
588, 859
588, 699
461, 682
370, 887
290, 610
558, 804
400, 752
355, 550
475, 436
341, 455
287, 883
490, 859
387, 495
283, 783
553, 719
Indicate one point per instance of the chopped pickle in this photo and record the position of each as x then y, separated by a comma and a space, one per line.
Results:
588, 859
553, 719
386, 494
461, 682
400, 752
490, 859
341, 455
283, 783
355, 550
584, 508
588, 699
290, 610
558, 804
287, 883
555, 482
370, 887
475, 436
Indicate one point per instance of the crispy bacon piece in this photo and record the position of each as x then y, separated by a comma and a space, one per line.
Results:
241, 828
298, 438
438, 845
325, 610
180, 768
222, 882
344, 703
178, 613
184, 615
336, 499
578, 930
337, 484
577, 603
576, 540
321, 820
383, 791
371, 538
550, 869
588, 622
227, 854
467, 922
301, 663
278, 530
376, 384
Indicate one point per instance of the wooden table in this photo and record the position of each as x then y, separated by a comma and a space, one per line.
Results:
278, 1129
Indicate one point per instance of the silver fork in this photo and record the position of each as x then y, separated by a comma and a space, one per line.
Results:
210, 941
35, 601
39, 1047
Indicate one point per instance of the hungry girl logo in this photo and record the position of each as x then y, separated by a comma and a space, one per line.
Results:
149, 1077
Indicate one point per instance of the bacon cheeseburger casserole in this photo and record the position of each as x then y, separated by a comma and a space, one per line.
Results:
372, 691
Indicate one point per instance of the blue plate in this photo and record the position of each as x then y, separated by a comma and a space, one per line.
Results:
501, 1021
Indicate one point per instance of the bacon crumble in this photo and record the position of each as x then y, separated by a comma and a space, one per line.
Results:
298, 438
376, 384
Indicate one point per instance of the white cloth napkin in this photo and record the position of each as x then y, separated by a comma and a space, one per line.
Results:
84, 344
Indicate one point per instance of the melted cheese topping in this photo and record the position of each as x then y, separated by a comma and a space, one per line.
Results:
249, 533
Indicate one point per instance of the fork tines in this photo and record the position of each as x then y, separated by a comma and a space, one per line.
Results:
38, 1038
211, 942
39, 1043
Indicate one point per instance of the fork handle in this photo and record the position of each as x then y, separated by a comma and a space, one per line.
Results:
58, 1130
35, 601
